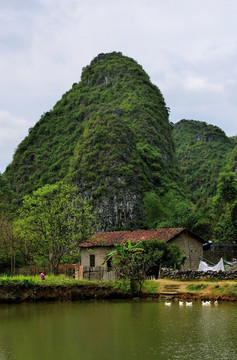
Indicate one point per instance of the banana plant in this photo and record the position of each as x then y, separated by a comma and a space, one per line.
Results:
123, 249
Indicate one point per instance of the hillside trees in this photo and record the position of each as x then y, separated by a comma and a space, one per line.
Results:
202, 150
170, 210
224, 207
52, 222
7, 244
6, 194
202, 219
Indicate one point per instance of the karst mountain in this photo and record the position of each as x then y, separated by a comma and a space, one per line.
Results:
110, 135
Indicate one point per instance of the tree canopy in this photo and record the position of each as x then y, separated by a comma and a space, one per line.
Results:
52, 222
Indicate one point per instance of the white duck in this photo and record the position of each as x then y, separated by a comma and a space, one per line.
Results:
189, 303
206, 303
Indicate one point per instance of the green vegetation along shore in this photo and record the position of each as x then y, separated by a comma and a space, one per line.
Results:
32, 289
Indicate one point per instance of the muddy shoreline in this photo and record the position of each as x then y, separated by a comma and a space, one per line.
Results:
40, 293
16, 293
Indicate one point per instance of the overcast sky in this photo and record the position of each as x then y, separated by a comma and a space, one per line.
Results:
187, 47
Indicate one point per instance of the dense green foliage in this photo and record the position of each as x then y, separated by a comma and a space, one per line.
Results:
6, 194
202, 150
207, 159
231, 164
127, 132
7, 244
159, 253
52, 222
225, 208
169, 210
127, 261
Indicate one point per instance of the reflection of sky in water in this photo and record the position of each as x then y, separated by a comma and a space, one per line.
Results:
117, 330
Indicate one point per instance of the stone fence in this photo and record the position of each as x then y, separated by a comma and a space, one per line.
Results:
193, 274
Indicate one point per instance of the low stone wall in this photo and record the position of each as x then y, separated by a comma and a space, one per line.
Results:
193, 275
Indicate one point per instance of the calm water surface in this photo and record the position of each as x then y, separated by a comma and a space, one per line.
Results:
121, 330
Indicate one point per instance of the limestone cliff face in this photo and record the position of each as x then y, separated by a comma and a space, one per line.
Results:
110, 135
117, 212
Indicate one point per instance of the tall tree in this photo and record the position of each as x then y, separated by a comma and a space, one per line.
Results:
158, 253
224, 208
6, 194
7, 243
53, 221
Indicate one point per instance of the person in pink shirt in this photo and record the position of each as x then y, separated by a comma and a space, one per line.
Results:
42, 276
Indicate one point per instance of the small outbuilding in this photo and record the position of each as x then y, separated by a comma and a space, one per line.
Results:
94, 250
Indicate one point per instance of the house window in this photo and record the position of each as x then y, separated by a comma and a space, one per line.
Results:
109, 264
92, 260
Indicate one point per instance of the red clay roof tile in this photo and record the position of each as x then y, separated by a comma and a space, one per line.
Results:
116, 237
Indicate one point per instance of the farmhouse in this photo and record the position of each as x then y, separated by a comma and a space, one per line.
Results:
94, 250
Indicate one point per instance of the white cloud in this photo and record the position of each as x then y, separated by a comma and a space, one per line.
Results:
194, 83
187, 47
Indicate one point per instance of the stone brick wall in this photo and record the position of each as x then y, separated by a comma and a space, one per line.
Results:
217, 251
100, 253
191, 247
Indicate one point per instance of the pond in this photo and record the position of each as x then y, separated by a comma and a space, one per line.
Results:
118, 330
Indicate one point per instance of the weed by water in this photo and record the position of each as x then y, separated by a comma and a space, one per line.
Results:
55, 280
197, 287
150, 286
35, 280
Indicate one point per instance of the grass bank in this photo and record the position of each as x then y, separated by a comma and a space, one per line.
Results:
56, 288
61, 288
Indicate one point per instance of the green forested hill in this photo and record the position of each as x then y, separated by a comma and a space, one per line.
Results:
110, 135
232, 158
203, 151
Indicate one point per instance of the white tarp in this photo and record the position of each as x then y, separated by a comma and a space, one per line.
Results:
203, 266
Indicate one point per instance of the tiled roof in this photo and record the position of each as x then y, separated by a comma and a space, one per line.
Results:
116, 237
